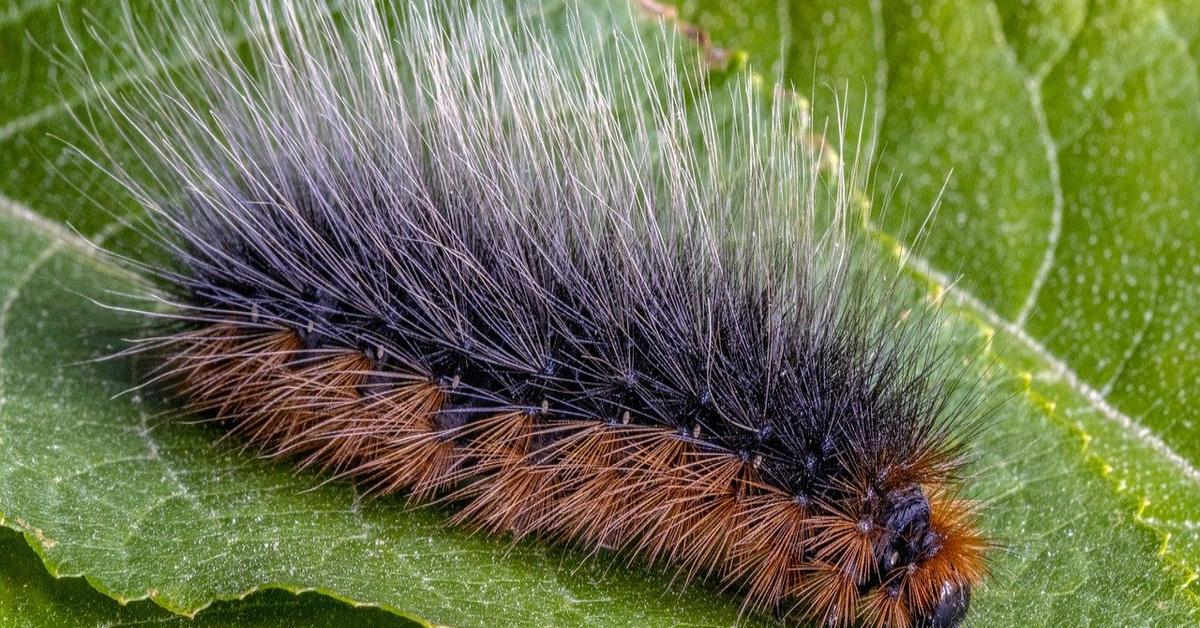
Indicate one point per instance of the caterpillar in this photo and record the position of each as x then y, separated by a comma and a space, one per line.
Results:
553, 277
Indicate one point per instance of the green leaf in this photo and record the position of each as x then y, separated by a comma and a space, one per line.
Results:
31, 597
146, 506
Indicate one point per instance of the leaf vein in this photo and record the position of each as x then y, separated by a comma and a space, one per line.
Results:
1033, 90
1057, 366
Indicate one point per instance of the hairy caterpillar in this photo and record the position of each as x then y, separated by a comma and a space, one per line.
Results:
560, 284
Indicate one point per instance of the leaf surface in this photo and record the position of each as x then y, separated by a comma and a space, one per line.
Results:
31, 597
147, 506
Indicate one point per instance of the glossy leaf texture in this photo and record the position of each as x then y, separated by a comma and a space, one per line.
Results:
29, 596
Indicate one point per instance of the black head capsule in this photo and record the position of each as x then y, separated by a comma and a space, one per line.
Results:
953, 603
907, 537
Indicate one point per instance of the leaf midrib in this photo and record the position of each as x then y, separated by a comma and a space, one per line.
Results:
1097, 399
1056, 366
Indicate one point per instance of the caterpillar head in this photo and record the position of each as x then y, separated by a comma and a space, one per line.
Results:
904, 556
928, 555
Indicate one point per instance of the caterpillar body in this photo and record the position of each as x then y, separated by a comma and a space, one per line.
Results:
561, 284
